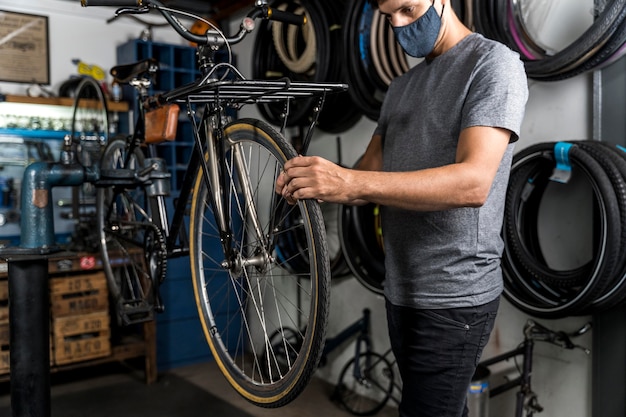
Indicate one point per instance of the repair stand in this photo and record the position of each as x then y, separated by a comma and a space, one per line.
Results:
29, 301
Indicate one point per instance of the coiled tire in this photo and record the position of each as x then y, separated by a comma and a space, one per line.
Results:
266, 64
599, 45
530, 283
361, 245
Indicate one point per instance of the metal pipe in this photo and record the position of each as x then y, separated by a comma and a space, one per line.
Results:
37, 221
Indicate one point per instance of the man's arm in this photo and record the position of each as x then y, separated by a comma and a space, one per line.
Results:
465, 183
372, 160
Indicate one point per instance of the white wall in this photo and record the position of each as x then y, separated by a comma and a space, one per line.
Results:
559, 110
80, 32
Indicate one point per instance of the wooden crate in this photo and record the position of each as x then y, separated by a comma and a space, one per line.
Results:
80, 338
78, 294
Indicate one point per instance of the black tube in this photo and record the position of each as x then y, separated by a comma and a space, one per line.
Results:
29, 317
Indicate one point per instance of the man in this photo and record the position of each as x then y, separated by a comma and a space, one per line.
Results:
438, 164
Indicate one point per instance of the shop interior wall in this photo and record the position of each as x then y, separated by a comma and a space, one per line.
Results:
555, 111
77, 32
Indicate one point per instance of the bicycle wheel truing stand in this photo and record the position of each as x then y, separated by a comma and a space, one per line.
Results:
29, 313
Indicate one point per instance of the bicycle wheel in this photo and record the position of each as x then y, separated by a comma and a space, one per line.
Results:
89, 133
245, 293
365, 384
126, 233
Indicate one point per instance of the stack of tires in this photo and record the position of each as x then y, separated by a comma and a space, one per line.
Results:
532, 284
349, 41
312, 52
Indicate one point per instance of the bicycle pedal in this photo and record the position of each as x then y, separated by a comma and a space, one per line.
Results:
134, 312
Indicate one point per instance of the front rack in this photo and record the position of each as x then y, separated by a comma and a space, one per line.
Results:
251, 91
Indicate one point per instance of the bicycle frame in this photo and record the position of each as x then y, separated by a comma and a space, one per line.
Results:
523, 380
526, 399
360, 327
208, 140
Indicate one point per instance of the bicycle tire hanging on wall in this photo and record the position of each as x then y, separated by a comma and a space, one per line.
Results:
307, 53
339, 113
600, 45
531, 284
361, 242
367, 87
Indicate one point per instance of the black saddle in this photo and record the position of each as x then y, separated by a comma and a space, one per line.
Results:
126, 72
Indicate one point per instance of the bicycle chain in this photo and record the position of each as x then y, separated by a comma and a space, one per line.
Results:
159, 248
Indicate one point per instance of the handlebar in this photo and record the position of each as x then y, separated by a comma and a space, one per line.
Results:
214, 38
536, 331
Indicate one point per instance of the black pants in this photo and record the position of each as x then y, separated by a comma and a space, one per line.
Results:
437, 353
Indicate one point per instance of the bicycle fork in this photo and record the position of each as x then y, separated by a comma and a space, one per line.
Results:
218, 183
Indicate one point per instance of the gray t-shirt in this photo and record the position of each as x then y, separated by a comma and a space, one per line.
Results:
450, 258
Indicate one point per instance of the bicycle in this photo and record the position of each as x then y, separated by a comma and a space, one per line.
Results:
243, 264
526, 399
366, 382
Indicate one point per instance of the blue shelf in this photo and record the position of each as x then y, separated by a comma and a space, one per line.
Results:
35, 134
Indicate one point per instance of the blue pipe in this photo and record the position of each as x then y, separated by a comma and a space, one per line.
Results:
37, 217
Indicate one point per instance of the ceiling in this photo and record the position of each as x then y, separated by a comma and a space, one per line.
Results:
214, 9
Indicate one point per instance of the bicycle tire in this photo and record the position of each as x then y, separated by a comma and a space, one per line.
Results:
338, 265
266, 63
366, 391
362, 246
363, 90
499, 20
241, 306
530, 284
122, 221
89, 132
615, 293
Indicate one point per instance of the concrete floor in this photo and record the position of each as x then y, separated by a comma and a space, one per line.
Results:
313, 402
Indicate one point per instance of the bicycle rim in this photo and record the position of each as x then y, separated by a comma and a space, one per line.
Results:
122, 219
243, 309
89, 133
365, 384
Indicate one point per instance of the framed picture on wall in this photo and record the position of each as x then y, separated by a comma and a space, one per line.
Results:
24, 51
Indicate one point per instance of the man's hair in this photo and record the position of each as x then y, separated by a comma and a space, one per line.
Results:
373, 3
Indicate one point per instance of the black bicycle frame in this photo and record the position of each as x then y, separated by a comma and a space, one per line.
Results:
360, 327
523, 381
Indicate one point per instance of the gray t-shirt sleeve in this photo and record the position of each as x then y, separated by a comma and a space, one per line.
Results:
496, 97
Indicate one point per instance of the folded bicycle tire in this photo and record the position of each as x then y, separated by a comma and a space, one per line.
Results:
532, 285
361, 245
266, 64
